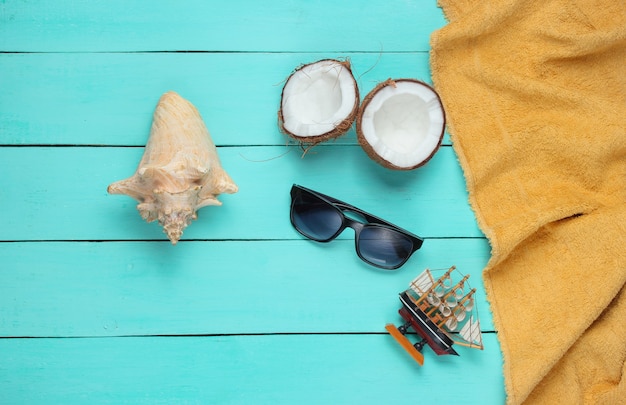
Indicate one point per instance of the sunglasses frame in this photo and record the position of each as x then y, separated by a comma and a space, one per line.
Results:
357, 226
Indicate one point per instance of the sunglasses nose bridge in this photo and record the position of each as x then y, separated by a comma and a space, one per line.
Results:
354, 224
356, 227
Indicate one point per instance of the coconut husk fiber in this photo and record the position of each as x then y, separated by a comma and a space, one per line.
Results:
535, 95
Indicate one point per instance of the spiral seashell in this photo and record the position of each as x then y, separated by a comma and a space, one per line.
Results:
180, 171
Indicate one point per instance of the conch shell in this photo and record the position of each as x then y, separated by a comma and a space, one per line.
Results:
180, 170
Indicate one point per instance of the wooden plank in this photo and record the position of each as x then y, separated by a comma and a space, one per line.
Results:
60, 193
108, 99
235, 25
303, 369
150, 288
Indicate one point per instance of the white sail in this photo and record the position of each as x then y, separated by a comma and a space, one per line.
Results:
422, 283
445, 310
471, 331
469, 305
451, 301
452, 324
433, 300
459, 314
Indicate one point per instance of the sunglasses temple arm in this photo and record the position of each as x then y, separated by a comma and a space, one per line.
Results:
367, 215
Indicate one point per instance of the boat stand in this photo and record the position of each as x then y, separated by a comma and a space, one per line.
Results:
415, 350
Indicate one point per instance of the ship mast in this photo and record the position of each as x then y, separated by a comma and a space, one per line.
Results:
446, 296
434, 285
460, 308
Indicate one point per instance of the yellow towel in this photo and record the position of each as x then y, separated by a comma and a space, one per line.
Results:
535, 94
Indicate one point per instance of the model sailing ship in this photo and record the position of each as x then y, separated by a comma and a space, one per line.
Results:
441, 311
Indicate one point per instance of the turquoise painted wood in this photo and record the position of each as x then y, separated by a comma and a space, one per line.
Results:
97, 307
108, 99
252, 369
149, 288
62, 193
225, 26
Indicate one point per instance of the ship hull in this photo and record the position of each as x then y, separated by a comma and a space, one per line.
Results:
437, 339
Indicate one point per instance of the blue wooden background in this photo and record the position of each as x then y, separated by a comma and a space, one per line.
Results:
97, 307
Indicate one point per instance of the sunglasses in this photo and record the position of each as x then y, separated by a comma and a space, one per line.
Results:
378, 242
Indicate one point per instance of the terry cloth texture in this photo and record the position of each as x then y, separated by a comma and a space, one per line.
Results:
535, 95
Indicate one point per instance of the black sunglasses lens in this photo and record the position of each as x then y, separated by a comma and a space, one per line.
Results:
315, 218
384, 247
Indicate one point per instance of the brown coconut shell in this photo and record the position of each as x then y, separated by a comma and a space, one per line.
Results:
340, 129
369, 149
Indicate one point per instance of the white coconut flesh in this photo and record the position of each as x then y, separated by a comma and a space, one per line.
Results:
318, 98
403, 123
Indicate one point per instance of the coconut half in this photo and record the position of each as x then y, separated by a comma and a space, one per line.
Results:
319, 101
401, 123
